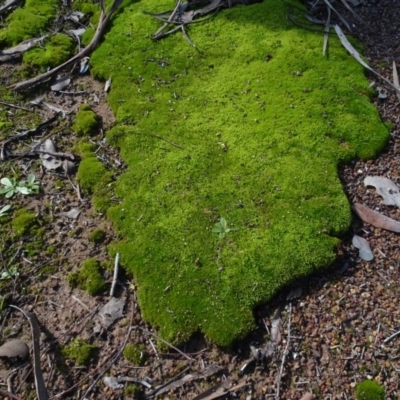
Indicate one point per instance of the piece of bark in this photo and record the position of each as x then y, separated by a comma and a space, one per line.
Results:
376, 219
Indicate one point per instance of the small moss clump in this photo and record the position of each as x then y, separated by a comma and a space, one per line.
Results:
132, 390
23, 222
88, 278
80, 351
56, 51
86, 122
135, 354
370, 390
92, 173
97, 236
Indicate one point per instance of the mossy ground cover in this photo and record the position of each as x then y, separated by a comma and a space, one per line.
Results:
262, 121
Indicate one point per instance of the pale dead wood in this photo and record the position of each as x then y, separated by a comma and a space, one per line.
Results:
9, 395
103, 21
114, 282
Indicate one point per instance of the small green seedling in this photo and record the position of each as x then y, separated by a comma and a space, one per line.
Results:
4, 210
11, 187
9, 273
221, 228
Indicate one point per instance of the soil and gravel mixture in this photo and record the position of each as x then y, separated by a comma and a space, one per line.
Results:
335, 329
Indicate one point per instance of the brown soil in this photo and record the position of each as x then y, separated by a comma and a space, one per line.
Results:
335, 328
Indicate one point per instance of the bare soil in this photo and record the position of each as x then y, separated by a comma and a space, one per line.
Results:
337, 328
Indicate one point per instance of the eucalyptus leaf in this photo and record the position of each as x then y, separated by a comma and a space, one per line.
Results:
362, 245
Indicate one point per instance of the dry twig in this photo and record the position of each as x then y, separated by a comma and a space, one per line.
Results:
41, 390
103, 21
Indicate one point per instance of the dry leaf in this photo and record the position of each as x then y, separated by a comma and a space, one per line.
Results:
385, 188
364, 249
112, 311
376, 219
347, 45
60, 84
14, 348
307, 396
73, 213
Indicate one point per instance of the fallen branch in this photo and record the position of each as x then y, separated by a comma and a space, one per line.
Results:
22, 135
114, 282
41, 390
103, 21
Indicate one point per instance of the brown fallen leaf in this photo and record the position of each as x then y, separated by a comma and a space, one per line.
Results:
375, 218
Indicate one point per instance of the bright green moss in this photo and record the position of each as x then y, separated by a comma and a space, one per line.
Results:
23, 222
84, 149
257, 140
86, 122
57, 50
80, 351
135, 354
92, 173
88, 277
97, 236
370, 390
29, 21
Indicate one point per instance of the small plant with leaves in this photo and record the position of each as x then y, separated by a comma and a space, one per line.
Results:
11, 272
11, 187
221, 228
4, 210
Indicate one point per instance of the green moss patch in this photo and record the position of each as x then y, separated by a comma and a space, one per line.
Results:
80, 351
57, 50
23, 222
29, 21
135, 354
97, 236
250, 127
88, 277
370, 390
86, 122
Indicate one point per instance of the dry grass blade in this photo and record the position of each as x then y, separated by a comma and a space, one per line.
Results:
396, 80
326, 30
356, 16
338, 14
348, 46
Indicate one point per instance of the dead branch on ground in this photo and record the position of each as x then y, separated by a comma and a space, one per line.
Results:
103, 21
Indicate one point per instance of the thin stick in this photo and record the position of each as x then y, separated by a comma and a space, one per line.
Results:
165, 140
114, 282
9, 395
388, 339
284, 354
15, 106
169, 344
41, 390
